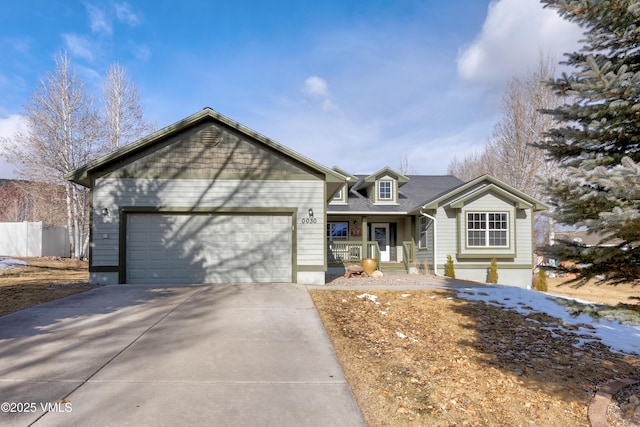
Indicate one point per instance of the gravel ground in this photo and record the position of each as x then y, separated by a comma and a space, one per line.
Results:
405, 281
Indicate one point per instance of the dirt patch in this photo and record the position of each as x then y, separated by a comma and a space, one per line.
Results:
42, 280
428, 358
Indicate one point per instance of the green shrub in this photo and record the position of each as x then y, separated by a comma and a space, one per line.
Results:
448, 268
541, 285
492, 277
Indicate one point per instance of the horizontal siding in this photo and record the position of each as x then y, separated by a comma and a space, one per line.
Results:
452, 236
524, 233
114, 193
446, 230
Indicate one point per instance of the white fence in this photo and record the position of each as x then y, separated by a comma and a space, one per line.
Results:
33, 239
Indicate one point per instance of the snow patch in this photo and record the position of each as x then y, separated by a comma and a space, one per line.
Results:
620, 338
372, 298
10, 262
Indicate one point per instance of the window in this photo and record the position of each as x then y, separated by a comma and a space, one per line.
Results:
384, 190
338, 195
337, 230
422, 232
489, 229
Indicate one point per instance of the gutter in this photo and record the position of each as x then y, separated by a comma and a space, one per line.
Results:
329, 212
435, 242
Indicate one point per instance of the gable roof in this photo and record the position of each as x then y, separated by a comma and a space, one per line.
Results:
370, 180
416, 190
456, 197
82, 175
351, 179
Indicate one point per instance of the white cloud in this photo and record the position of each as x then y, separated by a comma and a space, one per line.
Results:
514, 34
316, 86
99, 21
78, 45
126, 15
9, 127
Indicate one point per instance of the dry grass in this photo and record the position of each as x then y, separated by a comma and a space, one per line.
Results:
626, 293
44, 279
432, 359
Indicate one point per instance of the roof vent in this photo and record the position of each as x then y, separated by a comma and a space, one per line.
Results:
210, 135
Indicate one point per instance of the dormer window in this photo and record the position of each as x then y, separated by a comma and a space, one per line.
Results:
341, 196
385, 190
381, 188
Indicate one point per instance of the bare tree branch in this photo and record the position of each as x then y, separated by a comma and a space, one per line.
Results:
123, 113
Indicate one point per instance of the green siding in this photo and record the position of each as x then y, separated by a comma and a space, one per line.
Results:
194, 194
471, 263
228, 154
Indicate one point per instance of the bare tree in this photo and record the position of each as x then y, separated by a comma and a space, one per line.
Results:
62, 134
32, 201
472, 165
123, 113
405, 167
509, 154
518, 162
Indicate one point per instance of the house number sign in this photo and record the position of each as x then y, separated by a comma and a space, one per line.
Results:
309, 220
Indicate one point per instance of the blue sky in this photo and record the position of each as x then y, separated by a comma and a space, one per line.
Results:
357, 84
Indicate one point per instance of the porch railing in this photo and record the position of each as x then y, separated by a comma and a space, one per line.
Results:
351, 250
408, 253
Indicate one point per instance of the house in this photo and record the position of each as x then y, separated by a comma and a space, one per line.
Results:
581, 237
208, 200
414, 222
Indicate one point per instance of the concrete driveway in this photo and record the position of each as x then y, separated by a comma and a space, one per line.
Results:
223, 355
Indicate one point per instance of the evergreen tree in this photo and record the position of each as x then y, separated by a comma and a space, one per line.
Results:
449, 270
492, 277
541, 284
597, 140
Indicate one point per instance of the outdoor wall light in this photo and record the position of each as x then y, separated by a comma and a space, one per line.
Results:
310, 213
105, 212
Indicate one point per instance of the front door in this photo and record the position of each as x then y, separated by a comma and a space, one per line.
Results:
380, 234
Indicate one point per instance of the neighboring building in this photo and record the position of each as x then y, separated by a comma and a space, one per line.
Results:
207, 200
583, 237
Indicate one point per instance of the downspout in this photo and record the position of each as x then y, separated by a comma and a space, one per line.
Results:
435, 242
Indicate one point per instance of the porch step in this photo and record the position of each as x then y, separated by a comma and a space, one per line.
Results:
393, 268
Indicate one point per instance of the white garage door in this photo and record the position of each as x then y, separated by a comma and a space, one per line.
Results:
168, 249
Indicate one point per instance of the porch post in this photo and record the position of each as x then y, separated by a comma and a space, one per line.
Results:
365, 249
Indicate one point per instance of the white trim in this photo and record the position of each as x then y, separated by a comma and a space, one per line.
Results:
487, 229
385, 255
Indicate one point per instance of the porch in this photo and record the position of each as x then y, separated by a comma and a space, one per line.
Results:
342, 253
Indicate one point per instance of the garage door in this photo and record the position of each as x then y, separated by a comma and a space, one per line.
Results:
174, 249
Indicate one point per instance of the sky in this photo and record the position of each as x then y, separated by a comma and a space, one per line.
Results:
357, 84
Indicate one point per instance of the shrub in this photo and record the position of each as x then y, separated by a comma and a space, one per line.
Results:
541, 285
492, 277
448, 268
